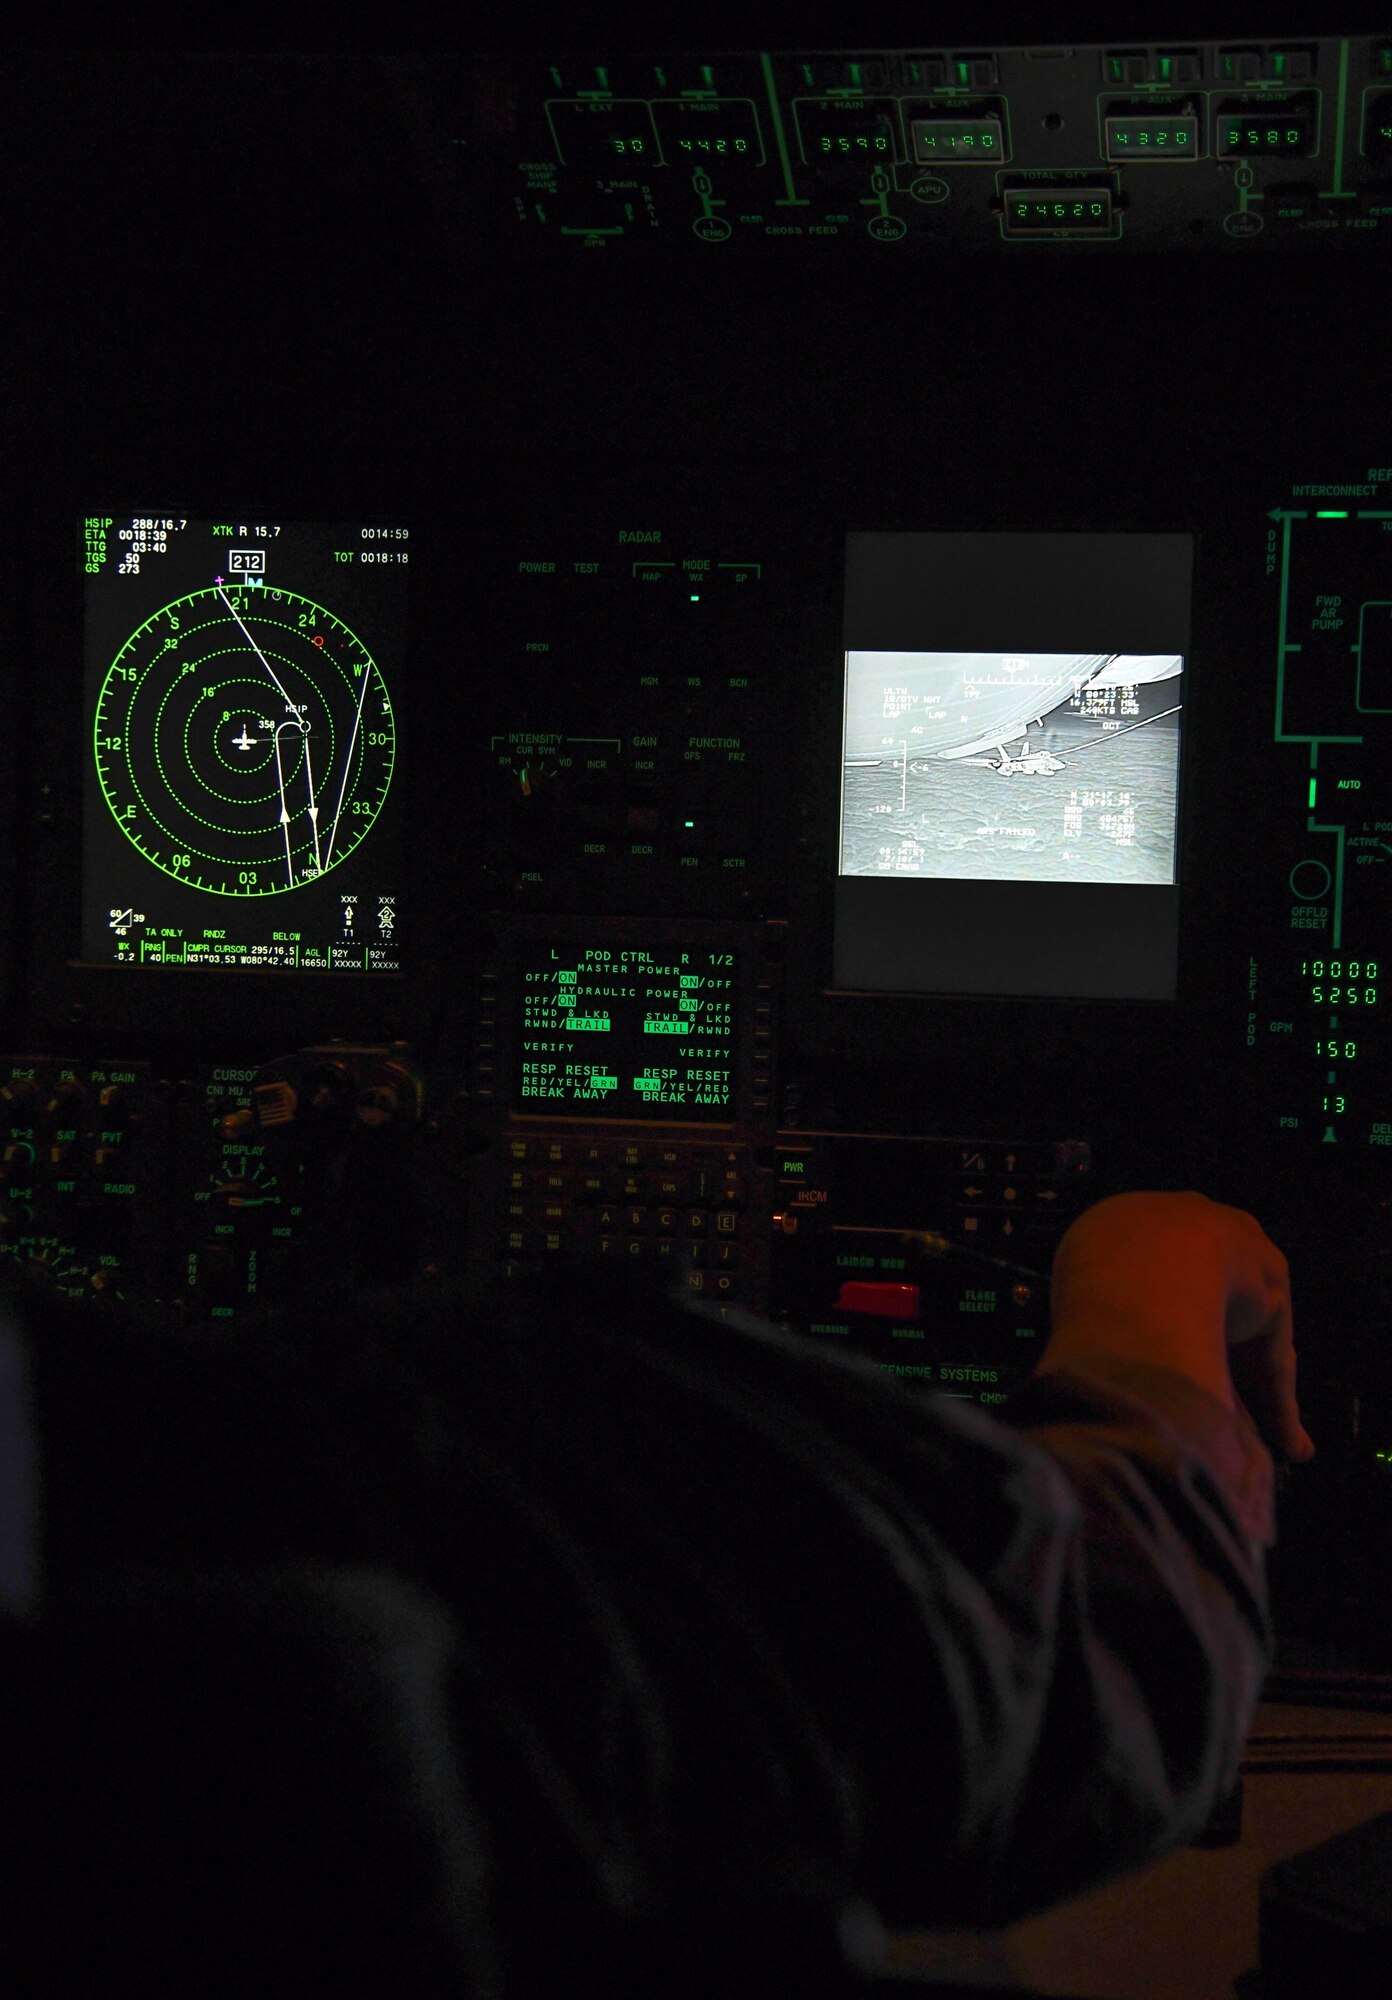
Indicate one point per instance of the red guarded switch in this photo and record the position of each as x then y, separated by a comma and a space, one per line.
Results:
862, 1295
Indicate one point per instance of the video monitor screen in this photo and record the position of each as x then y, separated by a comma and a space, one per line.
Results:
626, 1032
242, 682
946, 773
1010, 801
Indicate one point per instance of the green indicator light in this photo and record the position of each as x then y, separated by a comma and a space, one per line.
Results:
1312, 791
695, 599
1331, 514
688, 822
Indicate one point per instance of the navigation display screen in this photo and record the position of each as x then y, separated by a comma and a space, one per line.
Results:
1010, 764
624, 1032
242, 680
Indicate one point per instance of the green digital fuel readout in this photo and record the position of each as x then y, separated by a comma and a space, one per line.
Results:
708, 132
1343, 986
953, 141
1377, 131
1067, 211
605, 133
833, 129
626, 1031
1280, 132
1341, 982
1152, 138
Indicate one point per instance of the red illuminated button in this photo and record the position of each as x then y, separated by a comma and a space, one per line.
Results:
890, 1301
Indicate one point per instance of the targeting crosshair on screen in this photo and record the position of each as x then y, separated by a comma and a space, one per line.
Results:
244, 740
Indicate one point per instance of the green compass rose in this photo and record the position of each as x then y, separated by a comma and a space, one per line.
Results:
244, 740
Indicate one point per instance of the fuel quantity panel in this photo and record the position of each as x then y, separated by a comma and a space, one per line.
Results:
1181, 145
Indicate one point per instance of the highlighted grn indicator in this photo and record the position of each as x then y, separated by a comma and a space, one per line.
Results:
588, 1023
664, 1026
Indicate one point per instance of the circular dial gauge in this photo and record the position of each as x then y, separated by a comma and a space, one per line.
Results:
244, 740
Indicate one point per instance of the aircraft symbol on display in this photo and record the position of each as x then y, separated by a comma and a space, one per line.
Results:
1030, 763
